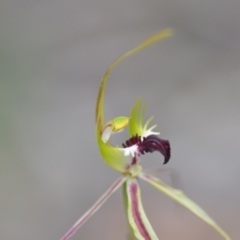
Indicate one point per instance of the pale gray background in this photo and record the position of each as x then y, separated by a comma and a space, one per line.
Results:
52, 57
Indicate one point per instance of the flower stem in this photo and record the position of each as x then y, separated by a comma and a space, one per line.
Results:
131, 235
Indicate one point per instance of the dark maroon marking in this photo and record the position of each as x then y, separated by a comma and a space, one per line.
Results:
136, 213
150, 144
132, 141
153, 143
134, 160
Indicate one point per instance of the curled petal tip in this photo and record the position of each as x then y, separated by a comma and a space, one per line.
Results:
153, 143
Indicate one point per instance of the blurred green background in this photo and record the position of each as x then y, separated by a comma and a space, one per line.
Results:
52, 57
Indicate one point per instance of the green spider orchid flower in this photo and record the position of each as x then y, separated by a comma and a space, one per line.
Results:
126, 160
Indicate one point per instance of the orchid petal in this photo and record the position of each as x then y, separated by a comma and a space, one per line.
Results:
94, 208
182, 199
137, 218
136, 119
136, 126
166, 33
113, 156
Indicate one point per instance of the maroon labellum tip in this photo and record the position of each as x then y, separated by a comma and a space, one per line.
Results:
153, 143
150, 144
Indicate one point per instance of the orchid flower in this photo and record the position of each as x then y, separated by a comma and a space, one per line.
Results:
126, 160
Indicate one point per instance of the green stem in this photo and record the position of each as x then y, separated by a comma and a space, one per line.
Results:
125, 201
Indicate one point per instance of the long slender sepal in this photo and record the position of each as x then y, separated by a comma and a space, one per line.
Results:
182, 199
166, 33
131, 235
136, 215
94, 208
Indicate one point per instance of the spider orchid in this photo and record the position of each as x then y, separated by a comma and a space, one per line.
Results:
126, 160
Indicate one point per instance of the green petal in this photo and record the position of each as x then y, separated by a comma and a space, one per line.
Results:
136, 119
137, 218
182, 199
113, 156
136, 126
166, 33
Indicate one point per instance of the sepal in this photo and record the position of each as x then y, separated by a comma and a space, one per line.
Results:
182, 199
94, 208
113, 156
137, 218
